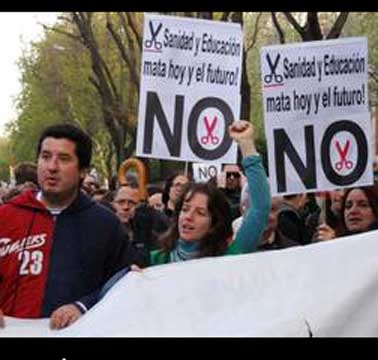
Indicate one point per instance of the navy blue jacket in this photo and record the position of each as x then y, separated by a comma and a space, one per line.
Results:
89, 246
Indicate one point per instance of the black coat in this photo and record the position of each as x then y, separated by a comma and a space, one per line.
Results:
291, 224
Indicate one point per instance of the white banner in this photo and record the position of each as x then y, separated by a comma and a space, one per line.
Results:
317, 121
190, 89
324, 289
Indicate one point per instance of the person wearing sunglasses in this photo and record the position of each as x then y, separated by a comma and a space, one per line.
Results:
232, 188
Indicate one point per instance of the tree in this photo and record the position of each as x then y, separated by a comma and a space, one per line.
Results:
5, 160
118, 103
311, 30
365, 24
55, 89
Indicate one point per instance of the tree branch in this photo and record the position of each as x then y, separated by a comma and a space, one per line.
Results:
255, 31
83, 23
312, 28
373, 74
237, 17
117, 39
337, 27
72, 36
133, 28
280, 32
208, 15
94, 83
225, 15
290, 18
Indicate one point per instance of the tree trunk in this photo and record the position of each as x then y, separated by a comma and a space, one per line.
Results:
237, 17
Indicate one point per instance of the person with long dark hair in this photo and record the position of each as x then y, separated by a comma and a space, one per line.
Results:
202, 221
359, 213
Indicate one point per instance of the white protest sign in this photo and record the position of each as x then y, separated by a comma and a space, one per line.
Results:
190, 89
317, 121
204, 172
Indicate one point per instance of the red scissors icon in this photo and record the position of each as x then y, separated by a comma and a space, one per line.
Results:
343, 152
210, 129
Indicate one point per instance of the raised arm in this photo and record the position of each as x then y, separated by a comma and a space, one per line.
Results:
255, 221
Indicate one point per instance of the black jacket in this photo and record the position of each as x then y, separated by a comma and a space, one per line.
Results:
291, 224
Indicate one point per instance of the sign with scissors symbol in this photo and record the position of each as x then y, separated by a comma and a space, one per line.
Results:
278, 78
210, 129
343, 153
154, 34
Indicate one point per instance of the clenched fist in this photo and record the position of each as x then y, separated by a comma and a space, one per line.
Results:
242, 132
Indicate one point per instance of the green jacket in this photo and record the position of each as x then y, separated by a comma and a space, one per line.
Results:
159, 257
255, 221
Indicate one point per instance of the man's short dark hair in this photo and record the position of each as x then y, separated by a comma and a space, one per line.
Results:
24, 172
83, 142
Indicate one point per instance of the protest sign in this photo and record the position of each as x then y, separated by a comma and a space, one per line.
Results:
190, 89
317, 120
204, 172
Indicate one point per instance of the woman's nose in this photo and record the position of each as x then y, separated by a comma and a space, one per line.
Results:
189, 215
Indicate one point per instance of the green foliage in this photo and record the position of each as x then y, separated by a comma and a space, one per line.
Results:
365, 24
55, 88
56, 85
5, 160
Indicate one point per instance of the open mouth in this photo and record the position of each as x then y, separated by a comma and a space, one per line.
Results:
187, 228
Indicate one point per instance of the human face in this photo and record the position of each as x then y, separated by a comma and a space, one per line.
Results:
358, 215
232, 177
337, 197
194, 219
156, 201
58, 171
125, 203
177, 188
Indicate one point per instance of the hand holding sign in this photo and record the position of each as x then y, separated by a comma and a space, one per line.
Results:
325, 232
243, 133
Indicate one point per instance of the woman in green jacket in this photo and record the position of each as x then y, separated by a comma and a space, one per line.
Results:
202, 224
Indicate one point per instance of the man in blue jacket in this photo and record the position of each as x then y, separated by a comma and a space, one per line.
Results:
57, 246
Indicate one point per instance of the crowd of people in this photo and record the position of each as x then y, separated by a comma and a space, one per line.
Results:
65, 239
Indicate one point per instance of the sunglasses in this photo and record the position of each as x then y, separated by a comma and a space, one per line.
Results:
234, 174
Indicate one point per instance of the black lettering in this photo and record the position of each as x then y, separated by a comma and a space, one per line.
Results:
202, 173
307, 173
155, 110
